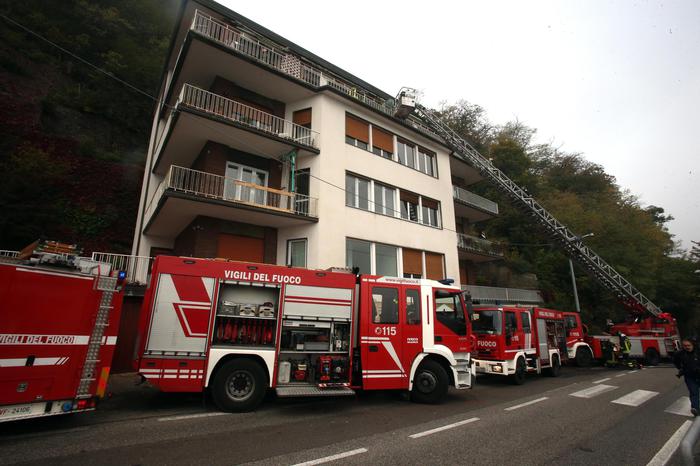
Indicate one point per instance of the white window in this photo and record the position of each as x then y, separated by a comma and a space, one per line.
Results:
357, 192
430, 216
384, 199
374, 258
426, 162
406, 153
357, 254
243, 192
296, 252
386, 260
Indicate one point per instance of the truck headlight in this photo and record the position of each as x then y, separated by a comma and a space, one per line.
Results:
497, 368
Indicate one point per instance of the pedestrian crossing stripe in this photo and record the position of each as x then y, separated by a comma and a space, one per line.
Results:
635, 398
593, 391
680, 407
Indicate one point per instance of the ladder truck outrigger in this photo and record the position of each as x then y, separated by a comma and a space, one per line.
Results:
653, 334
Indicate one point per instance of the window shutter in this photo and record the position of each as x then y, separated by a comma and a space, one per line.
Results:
429, 203
382, 139
412, 261
302, 117
433, 266
357, 129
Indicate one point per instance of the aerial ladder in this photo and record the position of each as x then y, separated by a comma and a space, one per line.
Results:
604, 273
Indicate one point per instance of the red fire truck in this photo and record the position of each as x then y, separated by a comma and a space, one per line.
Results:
58, 330
513, 341
577, 347
239, 329
651, 338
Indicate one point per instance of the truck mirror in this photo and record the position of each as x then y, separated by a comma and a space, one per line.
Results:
475, 316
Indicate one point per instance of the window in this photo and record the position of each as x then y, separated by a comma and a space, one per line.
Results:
488, 323
302, 118
357, 192
430, 212
382, 142
406, 153
412, 307
412, 263
426, 162
296, 252
357, 254
525, 316
384, 199
409, 206
356, 132
511, 322
244, 192
385, 258
571, 323
433, 266
385, 305
449, 311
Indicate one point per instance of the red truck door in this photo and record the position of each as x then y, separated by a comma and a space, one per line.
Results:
450, 321
411, 328
382, 337
514, 336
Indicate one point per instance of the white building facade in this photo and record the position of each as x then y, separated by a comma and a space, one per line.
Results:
264, 152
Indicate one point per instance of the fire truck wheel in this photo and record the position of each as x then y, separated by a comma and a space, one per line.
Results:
520, 372
430, 383
651, 357
556, 366
583, 357
239, 386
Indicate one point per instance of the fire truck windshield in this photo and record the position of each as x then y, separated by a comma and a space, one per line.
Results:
489, 322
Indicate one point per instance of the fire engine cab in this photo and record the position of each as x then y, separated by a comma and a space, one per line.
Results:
512, 341
578, 349
238, 329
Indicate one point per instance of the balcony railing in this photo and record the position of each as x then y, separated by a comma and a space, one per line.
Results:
491, 294
137, 268
214, 104
474, 200
291, 64
8, 253
479, 245
210, 186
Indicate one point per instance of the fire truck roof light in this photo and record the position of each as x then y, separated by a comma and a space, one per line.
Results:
447, 281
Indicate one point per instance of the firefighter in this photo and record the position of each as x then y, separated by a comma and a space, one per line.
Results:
687, 361
625, 346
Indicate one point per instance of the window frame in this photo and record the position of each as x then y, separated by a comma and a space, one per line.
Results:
417, 302
305, 242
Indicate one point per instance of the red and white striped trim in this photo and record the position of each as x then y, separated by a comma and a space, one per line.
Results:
22, 362
314, 300
172, 373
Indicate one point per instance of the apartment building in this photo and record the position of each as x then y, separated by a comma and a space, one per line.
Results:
262, 151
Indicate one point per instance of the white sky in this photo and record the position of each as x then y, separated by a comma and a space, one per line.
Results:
618, 81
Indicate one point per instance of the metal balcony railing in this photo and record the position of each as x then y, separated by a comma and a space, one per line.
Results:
210, 186
291, 65
479, 245
491, 294
469, 198
137, 268
214, 104
8, 253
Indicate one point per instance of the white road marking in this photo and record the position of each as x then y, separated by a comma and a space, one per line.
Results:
601, 380
593, 391
440, 429
328, 459
632, 372
681, 407
635, 398
528, 403
621, 375
664, 455
192, 416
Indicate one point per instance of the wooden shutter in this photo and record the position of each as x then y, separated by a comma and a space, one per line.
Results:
382, 139
412, 261
410, 197
357, 129
240, 248
302, 117
433, 266
429, 203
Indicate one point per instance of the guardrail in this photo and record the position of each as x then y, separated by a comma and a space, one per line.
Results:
474, 200
211, 186
479, 245
137, 268
223, 107
291, 65
492, 294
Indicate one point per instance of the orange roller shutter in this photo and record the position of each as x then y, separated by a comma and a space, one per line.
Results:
240, 248
382, 139
357, 129
429, 203
412, 261
302, 117
433, 266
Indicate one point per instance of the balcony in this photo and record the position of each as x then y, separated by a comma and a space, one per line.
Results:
204, 116
472, 206
478, 249
279, 60
185, 194
137, 268
495, 295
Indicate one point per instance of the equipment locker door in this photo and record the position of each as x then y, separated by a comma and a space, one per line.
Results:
381, 341
543, 347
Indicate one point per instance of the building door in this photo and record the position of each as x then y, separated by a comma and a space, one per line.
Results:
245, 191
301, 182
240, 248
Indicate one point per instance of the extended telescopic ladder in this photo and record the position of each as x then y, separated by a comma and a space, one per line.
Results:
571, 243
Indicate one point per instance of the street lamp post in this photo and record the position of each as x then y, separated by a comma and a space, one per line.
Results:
573, 276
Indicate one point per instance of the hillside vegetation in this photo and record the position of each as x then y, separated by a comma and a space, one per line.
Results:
73, 143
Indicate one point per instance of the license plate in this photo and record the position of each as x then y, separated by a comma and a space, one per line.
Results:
16, 410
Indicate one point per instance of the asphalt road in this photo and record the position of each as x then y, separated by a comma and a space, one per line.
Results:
585, 416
